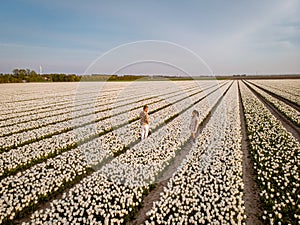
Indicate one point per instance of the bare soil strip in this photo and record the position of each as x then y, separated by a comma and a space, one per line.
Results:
251, 191
286, 123
286, 101
162, 182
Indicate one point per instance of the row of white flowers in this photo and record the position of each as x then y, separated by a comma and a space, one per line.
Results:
47, 111
208, 187
113, 193
276, 160
10, 93
287, 110
48, 123
66, 110
24, 94
25, 154
21, 92
288, 89
82, 103
76, 118
31, 107
24, 189
290, 85
44, 103
36, 179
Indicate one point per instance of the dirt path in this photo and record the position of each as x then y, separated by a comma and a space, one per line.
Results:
286, 123
251, 190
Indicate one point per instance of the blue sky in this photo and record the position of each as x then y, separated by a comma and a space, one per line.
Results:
230, 37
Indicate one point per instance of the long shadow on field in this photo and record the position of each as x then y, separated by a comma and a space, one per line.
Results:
251, 191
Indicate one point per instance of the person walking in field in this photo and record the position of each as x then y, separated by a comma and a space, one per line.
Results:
194, 124
144, 122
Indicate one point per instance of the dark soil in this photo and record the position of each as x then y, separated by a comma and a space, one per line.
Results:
251, 191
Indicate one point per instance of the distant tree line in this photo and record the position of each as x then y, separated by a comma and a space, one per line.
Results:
27, 75
98, 77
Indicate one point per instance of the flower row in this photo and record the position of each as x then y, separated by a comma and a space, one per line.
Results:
288, 89
77, 118
31, 107
44, 104
46, 124
26, 154
287, 110
47, 112
276, 161
82, 107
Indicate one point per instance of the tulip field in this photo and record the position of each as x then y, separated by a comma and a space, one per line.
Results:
71, 153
